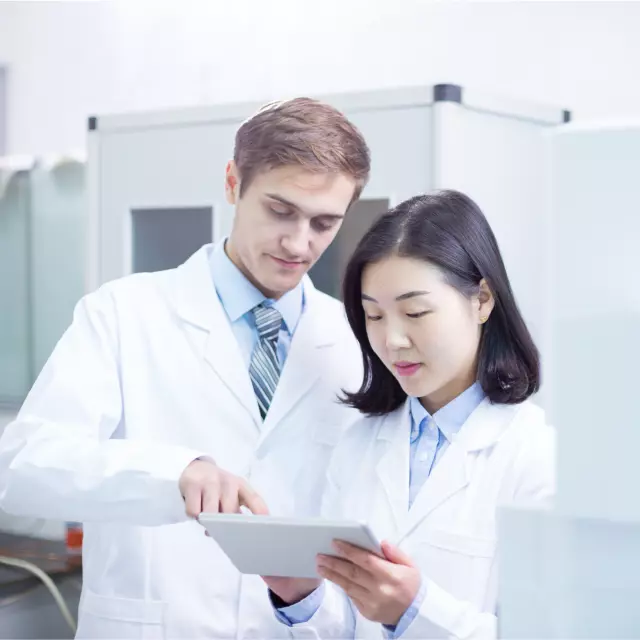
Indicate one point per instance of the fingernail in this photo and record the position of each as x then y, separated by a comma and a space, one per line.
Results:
338, 546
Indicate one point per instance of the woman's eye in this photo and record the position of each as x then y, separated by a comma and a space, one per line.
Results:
419, 314
373, 318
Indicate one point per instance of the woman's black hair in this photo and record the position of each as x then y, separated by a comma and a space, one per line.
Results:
446, 229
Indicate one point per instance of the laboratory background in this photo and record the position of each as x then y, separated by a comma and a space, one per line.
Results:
117, 120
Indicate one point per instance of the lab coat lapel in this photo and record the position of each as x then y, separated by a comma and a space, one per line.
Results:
453, 471
198, 304
301, 369
449, 476
392, 468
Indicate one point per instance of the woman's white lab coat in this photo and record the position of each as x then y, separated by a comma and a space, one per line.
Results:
502, 455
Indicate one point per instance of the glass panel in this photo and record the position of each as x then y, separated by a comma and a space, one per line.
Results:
58, 247
328, 272
165, 238
15, 326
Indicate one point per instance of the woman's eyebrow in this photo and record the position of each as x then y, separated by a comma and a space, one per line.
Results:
404, 296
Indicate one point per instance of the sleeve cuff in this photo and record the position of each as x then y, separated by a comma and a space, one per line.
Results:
301, 611
393, 632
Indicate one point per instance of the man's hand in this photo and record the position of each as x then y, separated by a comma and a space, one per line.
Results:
208, 489
381, 589
292, 590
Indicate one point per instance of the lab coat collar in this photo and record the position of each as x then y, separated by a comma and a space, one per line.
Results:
197, 303
392, 468
452, 474
482, 429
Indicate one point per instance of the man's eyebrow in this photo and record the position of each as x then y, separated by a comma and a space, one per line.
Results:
293, 205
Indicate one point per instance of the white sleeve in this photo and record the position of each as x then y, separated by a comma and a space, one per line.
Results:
62, 458
444, 616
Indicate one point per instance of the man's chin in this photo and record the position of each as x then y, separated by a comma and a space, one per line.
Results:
279, 284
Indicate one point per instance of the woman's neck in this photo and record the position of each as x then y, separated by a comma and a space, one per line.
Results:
441, 398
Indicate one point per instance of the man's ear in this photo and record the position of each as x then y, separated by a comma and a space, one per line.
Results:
232, 183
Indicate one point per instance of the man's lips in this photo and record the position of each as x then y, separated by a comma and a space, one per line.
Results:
289, 264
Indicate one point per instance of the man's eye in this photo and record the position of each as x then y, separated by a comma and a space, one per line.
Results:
323, 225
282, 213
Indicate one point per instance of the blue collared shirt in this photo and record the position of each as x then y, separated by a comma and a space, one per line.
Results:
431, 435
429, 439
238, 297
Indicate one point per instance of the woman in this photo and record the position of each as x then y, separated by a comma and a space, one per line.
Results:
449, 432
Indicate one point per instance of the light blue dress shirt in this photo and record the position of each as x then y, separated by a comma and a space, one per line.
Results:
238, 297
429, 439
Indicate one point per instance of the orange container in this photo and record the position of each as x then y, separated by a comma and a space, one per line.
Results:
74, 537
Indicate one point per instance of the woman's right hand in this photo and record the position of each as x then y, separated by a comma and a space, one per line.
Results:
292, 590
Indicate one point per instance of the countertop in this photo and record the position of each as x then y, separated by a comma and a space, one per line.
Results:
49, 555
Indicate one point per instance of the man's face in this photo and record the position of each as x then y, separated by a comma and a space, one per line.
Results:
283, 223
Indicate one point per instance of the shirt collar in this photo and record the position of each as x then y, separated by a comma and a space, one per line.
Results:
238, 296
452, 416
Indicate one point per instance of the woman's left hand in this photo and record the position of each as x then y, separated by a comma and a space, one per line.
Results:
382, 589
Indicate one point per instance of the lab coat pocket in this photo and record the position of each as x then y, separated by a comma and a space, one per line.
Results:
459, 563
110, 617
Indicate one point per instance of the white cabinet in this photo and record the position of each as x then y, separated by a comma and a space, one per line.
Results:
421, 138
574, 571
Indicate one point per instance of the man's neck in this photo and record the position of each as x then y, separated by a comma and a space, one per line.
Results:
233, 255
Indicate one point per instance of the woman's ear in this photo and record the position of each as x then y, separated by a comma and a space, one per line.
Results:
486, 302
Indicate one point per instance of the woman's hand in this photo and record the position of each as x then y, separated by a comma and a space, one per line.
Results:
292, 590
382, 589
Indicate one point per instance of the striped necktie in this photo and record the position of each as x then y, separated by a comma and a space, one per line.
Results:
264, 369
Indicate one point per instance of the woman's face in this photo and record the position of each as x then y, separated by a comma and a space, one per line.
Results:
424, 330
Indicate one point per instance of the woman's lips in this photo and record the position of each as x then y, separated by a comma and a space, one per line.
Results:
407, 368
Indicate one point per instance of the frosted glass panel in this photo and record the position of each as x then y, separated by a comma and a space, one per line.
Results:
59, 228
15, 357
165, 238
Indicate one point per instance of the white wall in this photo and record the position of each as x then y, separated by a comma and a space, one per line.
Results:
69, 60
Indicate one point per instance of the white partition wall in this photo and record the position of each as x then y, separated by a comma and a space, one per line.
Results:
421, 139
58, 205
574, 571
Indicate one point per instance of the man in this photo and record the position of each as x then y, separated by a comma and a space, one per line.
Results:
201, 388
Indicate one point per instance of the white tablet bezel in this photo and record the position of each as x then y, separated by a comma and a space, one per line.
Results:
286, 547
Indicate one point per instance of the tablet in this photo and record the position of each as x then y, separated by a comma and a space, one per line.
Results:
272, 546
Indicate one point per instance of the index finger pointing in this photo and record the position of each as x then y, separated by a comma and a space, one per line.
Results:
252, 500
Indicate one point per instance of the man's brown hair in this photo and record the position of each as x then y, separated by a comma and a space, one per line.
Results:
303, 132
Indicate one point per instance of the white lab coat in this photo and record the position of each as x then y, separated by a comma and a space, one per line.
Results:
502, 455
149, 377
